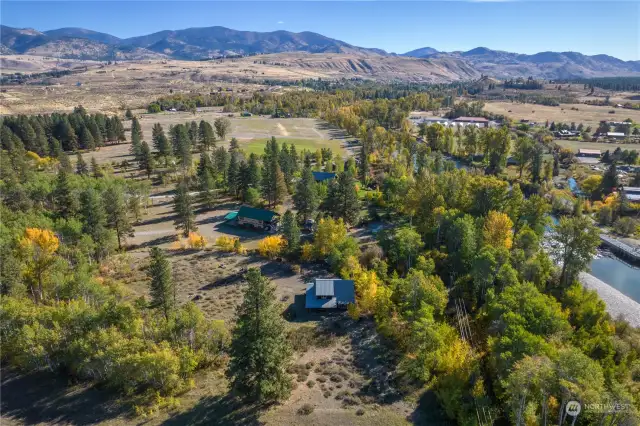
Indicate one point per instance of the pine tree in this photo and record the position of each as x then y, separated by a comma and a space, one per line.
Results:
208, 195
116, 209
183, 208
81, 166
128, 114
364, 164
207, 135
162, 287
233, 175
96, 171
146, 159
136, 146
136, 130
95, 222
221, 162
160, 142
96, 134
65, 163
66, 203
342, 199
291, 232
260, 352
305, 198
233, 145
86, 139
181, 145
193, 133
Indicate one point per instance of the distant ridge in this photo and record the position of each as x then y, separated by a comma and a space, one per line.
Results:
215, 42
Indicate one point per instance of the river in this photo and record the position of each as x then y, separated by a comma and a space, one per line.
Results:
617, 274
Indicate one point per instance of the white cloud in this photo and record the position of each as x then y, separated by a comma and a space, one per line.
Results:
280, 22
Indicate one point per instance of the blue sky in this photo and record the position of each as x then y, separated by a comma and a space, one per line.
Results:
590, 27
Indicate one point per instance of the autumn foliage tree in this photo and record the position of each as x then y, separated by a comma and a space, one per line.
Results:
38, 249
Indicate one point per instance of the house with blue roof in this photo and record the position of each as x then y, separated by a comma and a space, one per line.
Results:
323, 176
329, 293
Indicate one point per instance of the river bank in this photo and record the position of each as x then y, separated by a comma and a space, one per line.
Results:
617, 303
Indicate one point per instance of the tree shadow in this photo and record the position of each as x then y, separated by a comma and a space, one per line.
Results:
428, 412
155, 242
375, 360
160, 219
223, 410
47, 398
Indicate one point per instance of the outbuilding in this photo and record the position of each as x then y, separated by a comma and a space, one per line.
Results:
330, 293
323, 176
265, 220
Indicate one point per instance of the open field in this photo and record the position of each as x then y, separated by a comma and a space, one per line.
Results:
589, 115
251, 132
602, 146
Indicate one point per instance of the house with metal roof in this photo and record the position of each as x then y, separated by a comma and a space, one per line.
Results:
323, 176
266, 220
329, 293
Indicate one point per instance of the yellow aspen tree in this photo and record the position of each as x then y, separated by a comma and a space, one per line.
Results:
498, 230
38, 250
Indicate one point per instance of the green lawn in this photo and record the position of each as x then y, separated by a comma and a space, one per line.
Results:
257, 145
602, 146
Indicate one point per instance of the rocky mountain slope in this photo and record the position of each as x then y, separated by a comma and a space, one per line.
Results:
549, 65
215, 42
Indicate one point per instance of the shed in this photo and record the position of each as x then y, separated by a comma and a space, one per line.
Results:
329, 293
322, 176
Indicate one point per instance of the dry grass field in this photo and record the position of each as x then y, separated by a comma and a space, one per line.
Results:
110, 88
587, 114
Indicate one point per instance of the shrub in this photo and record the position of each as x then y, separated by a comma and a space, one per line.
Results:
272, 246
230, 245
625, 226
311, 383
196, 241
326, 394
295, 269
305, 410
360, 412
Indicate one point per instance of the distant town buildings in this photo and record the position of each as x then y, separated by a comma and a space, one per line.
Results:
457, 122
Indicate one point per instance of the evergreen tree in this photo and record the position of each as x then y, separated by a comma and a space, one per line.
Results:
291, 232
128, 114
233, 175
183, 208
162, 287
146, 159
136, 130
207, 183
342, 199
260, 352
306, 199
86, 139
96, 134
81, 166
116, 209
364, 164
221, 162
207, 135
160, 142
95, 222
66, 203
96, 171
610, 179
65, 163
193, 133
136, 146
537, 163
181, 145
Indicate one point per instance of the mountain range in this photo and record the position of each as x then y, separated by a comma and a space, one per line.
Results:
215, 42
